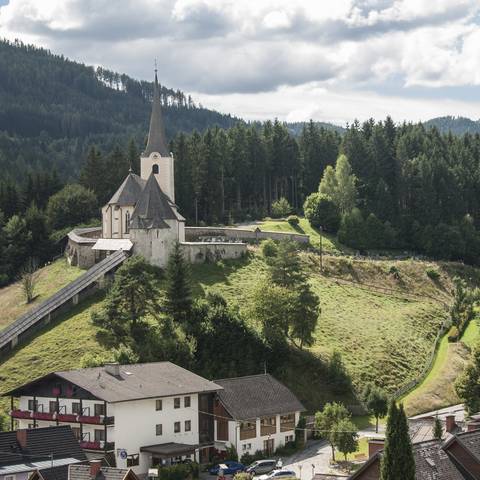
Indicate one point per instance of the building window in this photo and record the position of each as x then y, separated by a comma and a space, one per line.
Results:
158, 429
176, 427
100, 435
133, 460
76, 432
9, 477
155, 168
244, 447
188, 425
31, 425
176, 403
52, 406
127, 222
289, 439
158, 405
186, 402
76, 408
99, 409
32, 405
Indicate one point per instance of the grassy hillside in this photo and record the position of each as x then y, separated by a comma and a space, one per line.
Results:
51, 279
381, 315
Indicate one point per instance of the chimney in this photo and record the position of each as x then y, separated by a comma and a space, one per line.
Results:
95, 467
450, 423
22, 438
375, 445
113, 369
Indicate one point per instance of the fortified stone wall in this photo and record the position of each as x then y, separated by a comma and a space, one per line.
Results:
200, 252
79, 246
193, 234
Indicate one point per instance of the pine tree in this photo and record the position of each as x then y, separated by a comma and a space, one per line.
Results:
92, 175
133, 157
397, 460
178, 302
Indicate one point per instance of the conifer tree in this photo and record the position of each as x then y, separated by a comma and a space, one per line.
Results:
133, 157
92, 175
178, 302
397, 460
437, 429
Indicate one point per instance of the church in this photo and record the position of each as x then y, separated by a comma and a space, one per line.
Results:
142, 217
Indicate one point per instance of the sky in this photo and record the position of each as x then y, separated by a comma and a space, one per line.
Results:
296, 60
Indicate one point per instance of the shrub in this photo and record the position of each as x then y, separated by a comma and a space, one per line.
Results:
293, 220
232, 454
321, 211
394, 272
269, 248
281, 208
352, 230
453, 334
246, 459
432, 273
243, 475
181, 471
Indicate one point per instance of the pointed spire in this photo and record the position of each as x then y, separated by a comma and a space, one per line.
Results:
156, 135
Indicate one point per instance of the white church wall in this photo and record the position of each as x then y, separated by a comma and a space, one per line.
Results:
165, 176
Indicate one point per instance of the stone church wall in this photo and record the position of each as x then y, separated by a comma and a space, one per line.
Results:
200, 252
252, 236
79, 246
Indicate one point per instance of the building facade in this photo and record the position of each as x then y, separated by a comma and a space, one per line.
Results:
254, 413
137, 416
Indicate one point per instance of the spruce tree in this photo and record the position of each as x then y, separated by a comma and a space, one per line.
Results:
178, 301
133, 157
397, 460
437, 429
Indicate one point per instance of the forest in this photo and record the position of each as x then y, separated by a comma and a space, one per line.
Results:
69, 134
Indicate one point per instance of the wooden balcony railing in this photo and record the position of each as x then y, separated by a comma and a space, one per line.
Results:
287, 426
246, 433
267, 430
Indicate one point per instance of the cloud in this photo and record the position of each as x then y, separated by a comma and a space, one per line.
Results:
266, 47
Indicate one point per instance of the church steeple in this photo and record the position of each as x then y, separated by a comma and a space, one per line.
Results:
156, 135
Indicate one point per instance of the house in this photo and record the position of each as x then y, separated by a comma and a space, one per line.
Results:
458, 458
253, 413
134, 415
92, 471
23, 451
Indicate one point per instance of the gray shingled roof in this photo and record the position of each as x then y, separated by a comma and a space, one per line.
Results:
41, 443
82, 472
153, 207
156, 135
141, 380
432, 462
255, 396
129, 191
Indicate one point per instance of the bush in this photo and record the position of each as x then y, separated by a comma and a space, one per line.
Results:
293, 220
181, 471
321, 211
352, 230
432, 273
281, 208
269, 248
394, 272
453, 334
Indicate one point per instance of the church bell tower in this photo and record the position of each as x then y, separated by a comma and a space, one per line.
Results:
156, 158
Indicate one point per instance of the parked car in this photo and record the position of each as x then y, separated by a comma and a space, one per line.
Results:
260, 467
229, 467
279, 475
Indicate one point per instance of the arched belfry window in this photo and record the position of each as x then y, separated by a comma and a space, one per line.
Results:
155, 168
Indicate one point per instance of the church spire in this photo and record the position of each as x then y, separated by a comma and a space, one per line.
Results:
156, 135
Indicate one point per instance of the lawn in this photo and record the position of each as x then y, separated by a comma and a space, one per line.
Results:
437, 389
329, 242
51, 279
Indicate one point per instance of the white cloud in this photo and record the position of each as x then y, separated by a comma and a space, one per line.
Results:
272, 49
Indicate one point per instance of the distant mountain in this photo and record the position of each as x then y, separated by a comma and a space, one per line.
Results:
456, 125
52, 109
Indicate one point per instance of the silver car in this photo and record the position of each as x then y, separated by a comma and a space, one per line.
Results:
261, 467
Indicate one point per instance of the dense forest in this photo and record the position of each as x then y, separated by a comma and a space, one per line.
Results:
69, 134
52, 109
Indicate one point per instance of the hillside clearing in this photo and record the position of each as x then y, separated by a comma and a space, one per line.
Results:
51, 278
437, 390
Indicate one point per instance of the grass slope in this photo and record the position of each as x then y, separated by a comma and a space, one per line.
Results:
381, 315
437, 389
51, 279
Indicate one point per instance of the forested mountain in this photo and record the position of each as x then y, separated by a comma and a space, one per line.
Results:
52, 109
456, 125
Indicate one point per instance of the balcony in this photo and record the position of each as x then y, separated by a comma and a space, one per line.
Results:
97, 445
63, 417
248, 432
